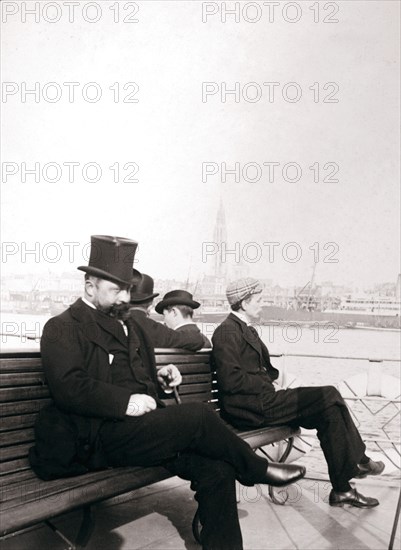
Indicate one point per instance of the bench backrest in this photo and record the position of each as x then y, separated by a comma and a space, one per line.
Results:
24, 392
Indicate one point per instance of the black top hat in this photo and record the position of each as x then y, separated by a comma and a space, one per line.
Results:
176, 298
111, 258
143, 291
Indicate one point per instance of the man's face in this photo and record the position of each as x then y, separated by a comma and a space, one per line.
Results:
109, 297
253, 307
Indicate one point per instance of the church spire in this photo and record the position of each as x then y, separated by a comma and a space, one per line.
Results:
220, 236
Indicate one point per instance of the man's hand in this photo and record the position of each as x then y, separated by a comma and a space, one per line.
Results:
139, 404
169, 377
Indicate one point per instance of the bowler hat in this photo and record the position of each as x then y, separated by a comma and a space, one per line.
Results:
143, 291
111, 258
176, 298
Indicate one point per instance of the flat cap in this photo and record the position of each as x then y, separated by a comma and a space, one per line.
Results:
241, 289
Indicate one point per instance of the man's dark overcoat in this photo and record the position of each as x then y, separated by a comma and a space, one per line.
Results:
244, 372
76, 362
245, 377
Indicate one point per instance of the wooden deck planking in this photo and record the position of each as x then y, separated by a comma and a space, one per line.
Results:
159, 518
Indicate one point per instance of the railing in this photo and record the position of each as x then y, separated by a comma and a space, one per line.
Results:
376, 392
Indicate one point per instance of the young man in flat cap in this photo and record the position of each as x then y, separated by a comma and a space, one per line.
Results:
249, 399
107, 408
178, 307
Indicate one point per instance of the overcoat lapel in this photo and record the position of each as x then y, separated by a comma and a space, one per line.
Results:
134, 342
247, 334
89, 320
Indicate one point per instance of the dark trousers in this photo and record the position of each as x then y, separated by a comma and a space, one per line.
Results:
214, 484
194, 443
321, 408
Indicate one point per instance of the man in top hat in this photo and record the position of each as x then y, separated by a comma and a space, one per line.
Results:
249, 399
107, 408
161, 336
178, 307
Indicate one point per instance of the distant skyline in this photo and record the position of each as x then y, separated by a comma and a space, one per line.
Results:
77, 275
179, 142
288, 261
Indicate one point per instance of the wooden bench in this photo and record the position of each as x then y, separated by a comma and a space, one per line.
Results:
26, 500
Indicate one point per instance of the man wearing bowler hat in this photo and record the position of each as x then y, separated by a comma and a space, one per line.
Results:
107, 408
249, 399
160, 336
178, 307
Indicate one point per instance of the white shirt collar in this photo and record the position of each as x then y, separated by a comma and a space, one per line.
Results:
85, 301
242, 316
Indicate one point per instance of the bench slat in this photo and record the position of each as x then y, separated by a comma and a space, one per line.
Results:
34, 512
22, 379
193, 378
36, 490
192, 368
15, 451
192, 358
16, 436
13, 466
35, 487
20, 364
17, 477
23, 407
28, 392
196, 388
20, 421
266, 436
199, 398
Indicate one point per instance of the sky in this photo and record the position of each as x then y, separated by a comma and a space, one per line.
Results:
316, 93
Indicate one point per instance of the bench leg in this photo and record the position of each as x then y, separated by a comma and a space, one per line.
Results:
84, 533
70, 545
283, 458
86, 528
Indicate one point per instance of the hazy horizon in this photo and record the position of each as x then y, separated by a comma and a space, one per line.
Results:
179, 117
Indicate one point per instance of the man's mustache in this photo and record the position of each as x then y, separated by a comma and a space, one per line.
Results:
120, 311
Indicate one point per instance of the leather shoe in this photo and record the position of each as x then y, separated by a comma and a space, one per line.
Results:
371, 468
280, 475
353, 498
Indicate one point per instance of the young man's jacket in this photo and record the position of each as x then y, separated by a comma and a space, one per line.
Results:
76, 355
165, 337
192, 328
244, 372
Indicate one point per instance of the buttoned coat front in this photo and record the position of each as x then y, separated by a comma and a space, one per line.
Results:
76, 363
244, 372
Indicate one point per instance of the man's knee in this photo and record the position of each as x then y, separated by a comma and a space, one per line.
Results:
202, 412
332, 395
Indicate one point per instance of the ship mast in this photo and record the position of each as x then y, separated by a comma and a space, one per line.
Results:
312, 282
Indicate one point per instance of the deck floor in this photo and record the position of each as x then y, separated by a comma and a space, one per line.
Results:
159, 518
